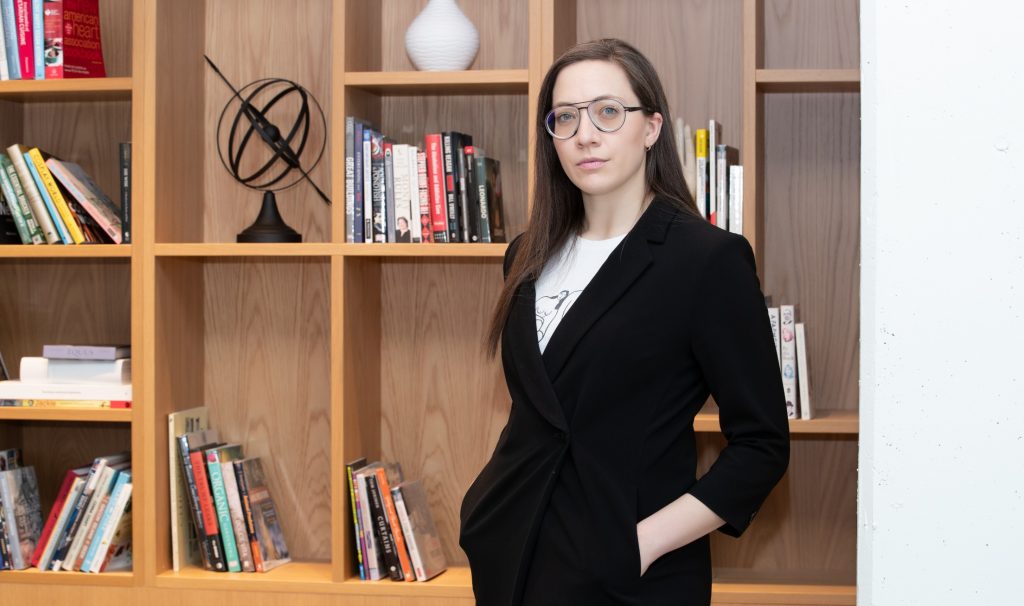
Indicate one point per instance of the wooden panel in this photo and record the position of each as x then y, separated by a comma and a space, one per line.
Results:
116, 36
62, 301
443, 402
55, 447
266, 383
86, 133
177, 100
812, 34
497, 123
700, 84
179, 362
250, 40
812, 231
502, 25
807, 528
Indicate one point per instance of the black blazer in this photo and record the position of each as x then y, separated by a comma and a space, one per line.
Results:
600, 433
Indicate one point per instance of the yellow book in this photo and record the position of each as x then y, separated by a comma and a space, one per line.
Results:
702, 173
58, 200
702, 143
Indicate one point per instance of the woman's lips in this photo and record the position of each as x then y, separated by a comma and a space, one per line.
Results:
591, 163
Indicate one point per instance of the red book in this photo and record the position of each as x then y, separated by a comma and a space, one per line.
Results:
435, 184
51, 520
205, 498
83, 53
396, 525
23, 31
53, 38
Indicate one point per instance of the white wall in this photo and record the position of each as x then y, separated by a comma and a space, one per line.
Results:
941, 495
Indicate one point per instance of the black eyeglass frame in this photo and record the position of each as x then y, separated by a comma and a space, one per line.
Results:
626, 108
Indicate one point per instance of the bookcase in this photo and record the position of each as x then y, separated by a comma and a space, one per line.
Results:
313, 354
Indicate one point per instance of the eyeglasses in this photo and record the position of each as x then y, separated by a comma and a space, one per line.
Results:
608, 116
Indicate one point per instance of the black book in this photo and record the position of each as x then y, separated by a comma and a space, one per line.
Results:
210, 548
389, 190
125, 157
382, 530
471, 201
449, 143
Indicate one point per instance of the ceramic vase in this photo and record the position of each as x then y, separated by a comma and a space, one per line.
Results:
442, 38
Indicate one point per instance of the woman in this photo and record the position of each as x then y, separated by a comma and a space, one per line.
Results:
622, 310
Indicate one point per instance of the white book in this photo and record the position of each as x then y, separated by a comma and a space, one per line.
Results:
124, 478
36, 369
15, 561
185, 548
722, 186
736, 199
414, 196
237, 516
400, 160
18, 390
116, 522
773, 317
408, 534
372, 561
803, 377
35, 200
713, 136
787, 333
93, 510
4, 72
77, 486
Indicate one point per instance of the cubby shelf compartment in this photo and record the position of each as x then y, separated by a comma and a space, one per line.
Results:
294, 577
39, 577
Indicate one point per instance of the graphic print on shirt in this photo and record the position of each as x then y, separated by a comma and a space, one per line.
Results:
550, 308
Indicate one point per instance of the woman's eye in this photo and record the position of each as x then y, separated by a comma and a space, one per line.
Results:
565, 117
609, 111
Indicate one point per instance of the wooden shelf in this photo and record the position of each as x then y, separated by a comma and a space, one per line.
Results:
825, 422
67, 89
303, 577
744, 586
87, 414
472, 82
230, 249
456, 249
808, 80
65, 251
327, 250
40, 577
455, 582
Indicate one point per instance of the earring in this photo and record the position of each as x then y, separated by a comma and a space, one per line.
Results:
648, 148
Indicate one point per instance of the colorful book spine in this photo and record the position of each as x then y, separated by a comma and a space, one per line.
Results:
395, 525
56, 198
23, 25
247, 515
53, 38
787, 332
10, 40
15, 194
436, 187
423, 185
51, 208
38, 27
123, 480
702, 172
16, 154
124, 153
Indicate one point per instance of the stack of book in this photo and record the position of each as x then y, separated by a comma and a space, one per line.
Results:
70, 376
448, 191
88, 528
45, 39
45, 200
791, 350
222, 515
395, 534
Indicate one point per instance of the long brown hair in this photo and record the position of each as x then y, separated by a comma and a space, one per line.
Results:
558, 210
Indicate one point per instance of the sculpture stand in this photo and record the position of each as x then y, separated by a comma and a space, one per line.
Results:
269, 226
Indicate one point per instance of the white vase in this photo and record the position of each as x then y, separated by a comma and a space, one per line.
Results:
442, 38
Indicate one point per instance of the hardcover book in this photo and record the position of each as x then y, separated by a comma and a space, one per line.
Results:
270, 538
23, 518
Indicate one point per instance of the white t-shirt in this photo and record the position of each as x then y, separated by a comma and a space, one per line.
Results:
564, 277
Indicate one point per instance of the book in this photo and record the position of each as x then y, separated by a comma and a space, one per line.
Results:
4, 75
725, 155
53, 39
15, 196
93, 511
218, 492
23, 34
701, 199
19, 390
389, 190
395, 526
714, 138
35, 369
773, 319
787, 334
58, 508
10, 40
415, 206
373, 557
736, 199
10, 458
436, 187
426, 222
378, 190
23, 517
48, 186
270, 539
83, 49
117, 541
215, 552
95, 546
51, 207
423, 530
350, 467
42, 216
403, 202
802, 374
382, 530
124, 154
367, 186
209, 545
237, 514
76, 516
64, 516
350, 182
43, 403
185, 548
39, 72
495, 201
250, 525
89, 195
87, 352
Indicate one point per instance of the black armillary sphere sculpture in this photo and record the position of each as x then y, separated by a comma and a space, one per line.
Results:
268, 173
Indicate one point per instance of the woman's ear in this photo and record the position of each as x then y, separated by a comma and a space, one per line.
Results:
654, 124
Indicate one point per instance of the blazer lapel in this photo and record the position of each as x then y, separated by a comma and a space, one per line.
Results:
525, 352
623, 266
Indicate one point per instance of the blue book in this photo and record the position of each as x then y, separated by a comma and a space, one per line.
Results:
214, 457
357, 177
48, 201
37, 39
10, 41
123, 477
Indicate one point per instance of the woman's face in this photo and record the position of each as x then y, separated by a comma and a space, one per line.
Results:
598, 162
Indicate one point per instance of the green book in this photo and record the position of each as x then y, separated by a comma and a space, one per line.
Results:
214, 457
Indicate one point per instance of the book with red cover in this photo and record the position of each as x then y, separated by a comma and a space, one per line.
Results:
83, 51
436, 187
23, 33
58, 504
